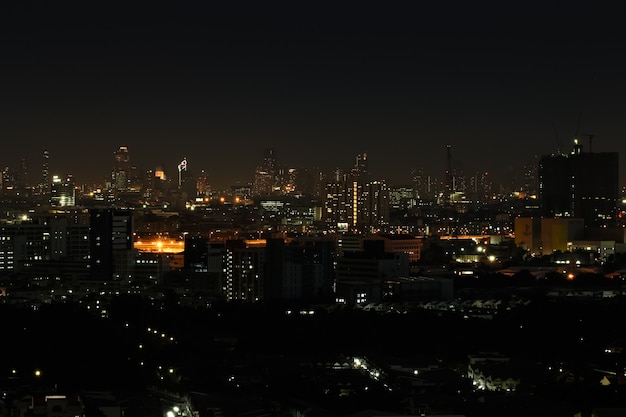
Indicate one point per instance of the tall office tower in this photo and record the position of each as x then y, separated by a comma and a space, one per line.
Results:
336, 205
244, 272
262, 184
121, 169
22, 179
44, 186
368, 200
270, 163
529, 185
202, 184
420, 181
580, 184
182, 170
459, 184
448, 185
187, 183
266, 175
356, 202
289, 180
480, 186
62, 191
110, 243
374, 213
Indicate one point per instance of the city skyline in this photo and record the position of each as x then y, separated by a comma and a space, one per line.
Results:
514, 176
217, 84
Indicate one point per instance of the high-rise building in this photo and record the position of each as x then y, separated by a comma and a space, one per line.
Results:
266, 175
336, 205
580, 184
355, 201
44, 186
244, 278
62, 191
121, 174
23, 181
202, 184
111, 242
182, 171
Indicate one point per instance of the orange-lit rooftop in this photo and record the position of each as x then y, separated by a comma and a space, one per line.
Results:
160, 245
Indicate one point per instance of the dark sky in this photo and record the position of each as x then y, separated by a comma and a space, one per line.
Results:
216, 82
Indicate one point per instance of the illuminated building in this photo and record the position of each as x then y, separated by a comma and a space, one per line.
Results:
401, 244
62, 192
121, 174
543, 236
373, 206
46, 245
186, 181
182, 170
356, 200
202, 184
44, 186
244, 271
265, 180
336, 205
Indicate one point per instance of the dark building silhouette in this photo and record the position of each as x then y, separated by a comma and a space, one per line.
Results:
110, 242
299, 270
580, 184
196, 252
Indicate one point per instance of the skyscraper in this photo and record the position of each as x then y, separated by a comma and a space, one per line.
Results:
23, 182
265, 177
44, 185
356, 201
121, 169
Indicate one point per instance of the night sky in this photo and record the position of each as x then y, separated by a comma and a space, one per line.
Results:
216, 82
